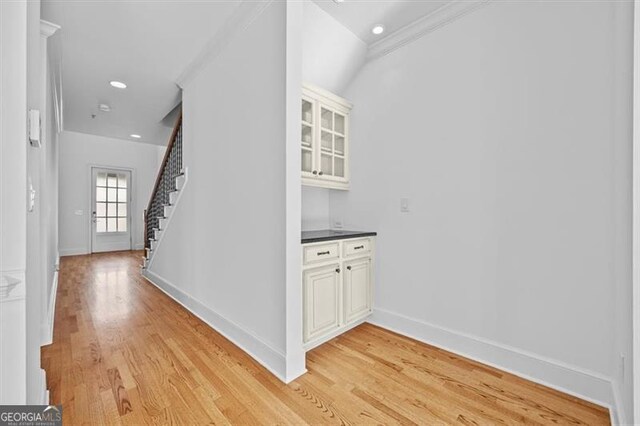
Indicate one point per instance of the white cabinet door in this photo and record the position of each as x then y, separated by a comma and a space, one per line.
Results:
322, 301
357, 289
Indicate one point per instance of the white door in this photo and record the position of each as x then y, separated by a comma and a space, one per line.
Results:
111, 212
357, 289
322, 301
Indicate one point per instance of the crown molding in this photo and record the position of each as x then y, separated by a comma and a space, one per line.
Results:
246, 12
47, 29
423, 26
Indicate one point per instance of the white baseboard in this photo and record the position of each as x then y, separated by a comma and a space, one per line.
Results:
269, 357
618, 416
73, 251
587, 385
48, 326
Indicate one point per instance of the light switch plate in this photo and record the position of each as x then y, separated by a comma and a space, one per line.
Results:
34, 128
404, 205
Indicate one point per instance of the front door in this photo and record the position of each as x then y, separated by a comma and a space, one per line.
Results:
111, 212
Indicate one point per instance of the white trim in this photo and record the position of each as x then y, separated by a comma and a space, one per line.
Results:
269, 357
423, 26
47, 29
168, 220
636, 214
48, 331
44, 395
587, 385
244, 14
73, 251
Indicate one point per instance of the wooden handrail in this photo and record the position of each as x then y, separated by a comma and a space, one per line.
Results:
164, 161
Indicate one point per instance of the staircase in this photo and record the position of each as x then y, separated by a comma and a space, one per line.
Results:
170, 181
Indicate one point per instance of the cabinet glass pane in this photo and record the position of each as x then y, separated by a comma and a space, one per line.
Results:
306, 135
307, 111
101, 224
101, 209
338, 144
326, 140
338, 167
306, 161
101, 194
327, 119
339, 125
327, 164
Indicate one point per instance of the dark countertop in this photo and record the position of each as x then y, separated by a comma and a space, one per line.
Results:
330, 234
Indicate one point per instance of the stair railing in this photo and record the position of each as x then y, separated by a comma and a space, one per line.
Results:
165, 183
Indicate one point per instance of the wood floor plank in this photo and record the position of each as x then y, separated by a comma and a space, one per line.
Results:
125, 353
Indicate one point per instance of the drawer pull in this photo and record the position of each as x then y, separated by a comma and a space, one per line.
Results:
322, 253
358, 248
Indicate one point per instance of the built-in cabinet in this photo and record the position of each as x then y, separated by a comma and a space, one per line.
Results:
324, 139
337, 287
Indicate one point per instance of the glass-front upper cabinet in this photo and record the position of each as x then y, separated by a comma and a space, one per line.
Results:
324, 135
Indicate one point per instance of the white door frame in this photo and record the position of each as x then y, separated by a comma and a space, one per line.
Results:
90, 203
636, 213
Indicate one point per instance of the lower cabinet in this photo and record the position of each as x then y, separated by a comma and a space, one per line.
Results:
357, 289
338, 292
321, 301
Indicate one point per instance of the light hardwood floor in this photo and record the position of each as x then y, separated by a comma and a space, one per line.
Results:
125, 353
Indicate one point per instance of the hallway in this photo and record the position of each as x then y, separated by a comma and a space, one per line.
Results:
125, 353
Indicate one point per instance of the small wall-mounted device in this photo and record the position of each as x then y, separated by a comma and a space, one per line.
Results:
34, 128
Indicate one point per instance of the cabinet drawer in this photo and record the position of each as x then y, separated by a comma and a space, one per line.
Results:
357, 247
320, 253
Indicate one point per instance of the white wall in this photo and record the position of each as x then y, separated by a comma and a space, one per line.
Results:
499, 128
331, 57
78, 152
223, 253
13, 170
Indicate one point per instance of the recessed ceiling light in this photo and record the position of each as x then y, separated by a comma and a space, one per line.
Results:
118, 84
378, 29
338, 1
104, 108
135, 136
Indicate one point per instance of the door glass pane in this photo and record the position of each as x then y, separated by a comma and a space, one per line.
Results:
326, 164
326, 119
122, 209
112, 180
112, 209
122, 224
101, 194
307, 111
101, 224
112, 224
338, 168
102, 179
122, 195
111, 194
306, 160
101, 209
122, 181
339, 124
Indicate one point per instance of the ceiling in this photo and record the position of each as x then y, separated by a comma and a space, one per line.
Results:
145, 44
359, 16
